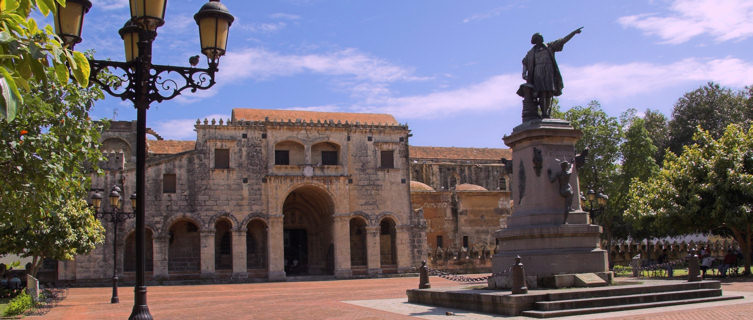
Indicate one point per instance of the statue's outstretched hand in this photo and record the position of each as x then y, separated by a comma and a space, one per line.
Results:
578, 30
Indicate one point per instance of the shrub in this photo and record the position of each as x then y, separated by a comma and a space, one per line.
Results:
18, 305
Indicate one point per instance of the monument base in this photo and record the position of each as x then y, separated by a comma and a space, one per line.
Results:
552, 250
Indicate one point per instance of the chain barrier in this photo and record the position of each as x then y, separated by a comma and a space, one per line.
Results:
464, 279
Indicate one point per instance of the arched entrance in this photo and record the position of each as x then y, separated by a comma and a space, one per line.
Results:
184, 248
307, 226
129, 254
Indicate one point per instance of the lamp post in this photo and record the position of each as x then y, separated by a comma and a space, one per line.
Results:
142, 82
596, 203
117, 215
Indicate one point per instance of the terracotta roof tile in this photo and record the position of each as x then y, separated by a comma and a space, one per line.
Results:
293, 115
169, 146
452, 153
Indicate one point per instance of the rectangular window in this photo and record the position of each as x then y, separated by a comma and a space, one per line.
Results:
439, 242
388, 159
282, 157
502, 184
168, 183
465, 241
221, 158
329, 158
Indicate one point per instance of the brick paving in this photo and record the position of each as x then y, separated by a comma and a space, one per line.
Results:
321, 300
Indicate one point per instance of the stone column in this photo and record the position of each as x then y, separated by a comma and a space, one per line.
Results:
403, 247
159, 254
372, 250
207, 253
240, 270
276, 253
341, 236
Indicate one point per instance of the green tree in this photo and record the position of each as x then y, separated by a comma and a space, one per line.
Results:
28, 52
638, 164
707, 188
711, 107
657, 126
602, 136
43, 158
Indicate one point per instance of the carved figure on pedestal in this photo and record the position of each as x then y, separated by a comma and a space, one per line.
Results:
542, 75
563, 179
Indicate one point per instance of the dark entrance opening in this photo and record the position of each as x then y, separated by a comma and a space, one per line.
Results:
296, 251
307, 232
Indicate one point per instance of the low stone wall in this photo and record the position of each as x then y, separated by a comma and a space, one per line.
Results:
476, 259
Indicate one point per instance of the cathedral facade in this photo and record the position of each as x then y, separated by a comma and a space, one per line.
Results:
274, 195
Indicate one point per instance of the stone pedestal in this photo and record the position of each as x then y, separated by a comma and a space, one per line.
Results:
535, 230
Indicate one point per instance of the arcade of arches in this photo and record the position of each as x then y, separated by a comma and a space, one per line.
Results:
309, 228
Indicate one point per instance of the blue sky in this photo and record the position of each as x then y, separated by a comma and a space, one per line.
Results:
447, 68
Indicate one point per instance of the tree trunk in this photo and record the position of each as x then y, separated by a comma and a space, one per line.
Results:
744, 240
745, 247
36, 262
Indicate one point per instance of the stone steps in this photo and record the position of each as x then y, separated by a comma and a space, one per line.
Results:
572, 312
626, 299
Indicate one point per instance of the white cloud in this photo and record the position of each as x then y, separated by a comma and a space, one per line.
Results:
724, 20
261, 64
110, 4
599, 81
183, 129
285, 16
492, 13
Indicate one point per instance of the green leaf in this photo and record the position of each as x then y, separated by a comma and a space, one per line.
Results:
45, 6
8, 105
81, 73
61, 71
10, 93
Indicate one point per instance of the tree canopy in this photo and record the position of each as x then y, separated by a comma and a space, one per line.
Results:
707, 188
28, 52
47, 153
711, 107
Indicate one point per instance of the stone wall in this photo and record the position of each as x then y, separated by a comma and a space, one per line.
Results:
252, 195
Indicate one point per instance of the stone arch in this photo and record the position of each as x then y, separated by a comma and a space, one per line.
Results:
365, 216
388, 243
223, 243
296, 152
129, 249
379, 217
223, 215
308, 220
358, 236
319, 150
253, 216
184, 246
172, 219
257, 246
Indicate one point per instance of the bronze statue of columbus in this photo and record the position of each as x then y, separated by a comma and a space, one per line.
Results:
542, 75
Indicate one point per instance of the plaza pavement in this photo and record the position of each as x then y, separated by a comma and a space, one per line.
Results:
341, 299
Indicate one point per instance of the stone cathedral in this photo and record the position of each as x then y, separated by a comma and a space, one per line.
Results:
279, 194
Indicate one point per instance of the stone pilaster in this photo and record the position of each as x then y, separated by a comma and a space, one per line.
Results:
207, 253
403, 246
276, 254
341, 235
159, 254
240, 270
372, 250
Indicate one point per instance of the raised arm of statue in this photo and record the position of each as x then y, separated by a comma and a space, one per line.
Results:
558, 45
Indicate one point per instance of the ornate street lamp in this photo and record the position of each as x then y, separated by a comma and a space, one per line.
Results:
142, 82
596, 203
70, 19
117, 215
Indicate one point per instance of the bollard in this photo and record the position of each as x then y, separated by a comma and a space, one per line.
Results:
518, 278
693, 269
423, 276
